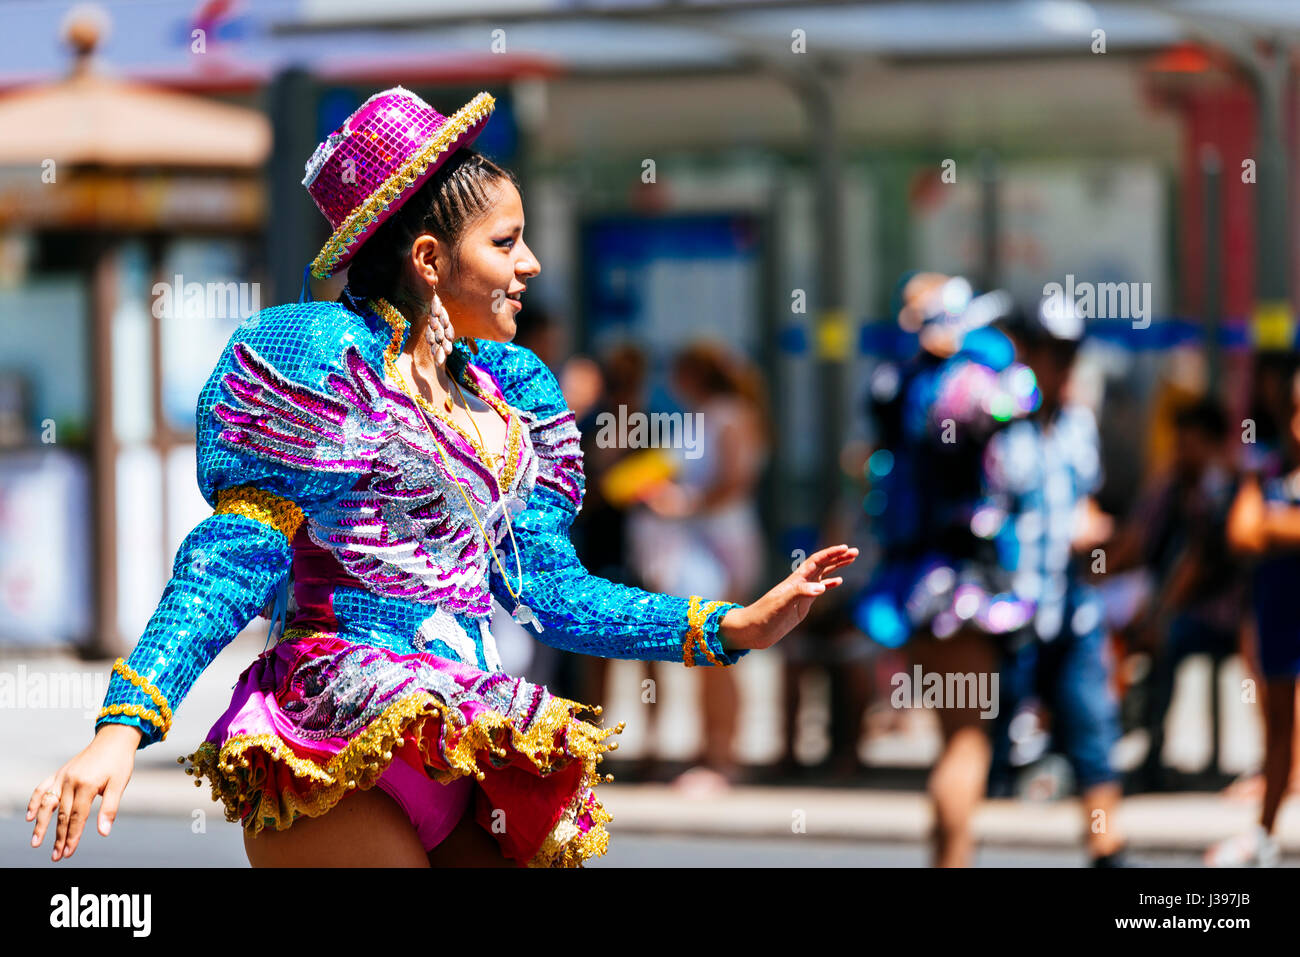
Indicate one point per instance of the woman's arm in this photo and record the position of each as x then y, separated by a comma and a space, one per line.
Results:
1255, 526
579, 611
584, 613
1247, 532
275, 437
222, 576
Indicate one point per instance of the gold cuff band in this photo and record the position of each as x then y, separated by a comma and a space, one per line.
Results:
136, 711
260, 506
162, 718
696, 617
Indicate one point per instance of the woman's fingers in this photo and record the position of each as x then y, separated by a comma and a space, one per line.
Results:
65, 815
47, 804
815, 588
838, 563
827, 559
34, 804
85, 796
108, 807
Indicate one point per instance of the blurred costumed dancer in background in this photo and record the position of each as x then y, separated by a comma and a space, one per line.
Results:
938, 588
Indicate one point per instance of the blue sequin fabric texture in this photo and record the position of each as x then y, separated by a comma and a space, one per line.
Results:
328, 485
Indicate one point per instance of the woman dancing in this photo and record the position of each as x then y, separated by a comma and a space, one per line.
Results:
382, 481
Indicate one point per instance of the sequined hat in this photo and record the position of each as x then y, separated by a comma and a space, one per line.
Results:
377, 159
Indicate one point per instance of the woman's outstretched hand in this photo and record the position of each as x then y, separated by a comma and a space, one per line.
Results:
103, 767
768, 620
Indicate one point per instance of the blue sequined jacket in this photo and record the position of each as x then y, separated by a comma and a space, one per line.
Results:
329, 491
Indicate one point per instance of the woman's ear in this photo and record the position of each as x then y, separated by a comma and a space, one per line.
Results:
425, 252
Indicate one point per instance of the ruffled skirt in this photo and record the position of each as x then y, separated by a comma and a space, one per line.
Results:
317, 716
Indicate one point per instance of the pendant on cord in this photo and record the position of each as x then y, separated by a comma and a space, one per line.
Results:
524, 616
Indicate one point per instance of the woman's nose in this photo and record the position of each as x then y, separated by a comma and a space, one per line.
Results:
528, 266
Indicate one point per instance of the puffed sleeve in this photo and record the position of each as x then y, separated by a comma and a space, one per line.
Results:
579, 611
270, 447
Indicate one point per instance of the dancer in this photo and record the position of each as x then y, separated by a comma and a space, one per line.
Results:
1264, 523
392, 483
936, 589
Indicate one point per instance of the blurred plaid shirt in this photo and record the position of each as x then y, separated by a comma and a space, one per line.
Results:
1037, 475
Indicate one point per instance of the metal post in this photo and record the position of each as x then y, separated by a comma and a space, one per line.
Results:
292, 221
104, 639
990, 264
833, 330
1212, 296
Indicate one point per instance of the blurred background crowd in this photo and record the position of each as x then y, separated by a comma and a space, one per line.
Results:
730, 200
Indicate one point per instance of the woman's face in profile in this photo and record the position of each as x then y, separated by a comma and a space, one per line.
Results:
495, 265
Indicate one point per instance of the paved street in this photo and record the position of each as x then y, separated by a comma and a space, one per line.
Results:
777, 823
167, 841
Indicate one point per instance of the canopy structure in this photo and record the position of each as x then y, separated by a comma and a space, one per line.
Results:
91, 117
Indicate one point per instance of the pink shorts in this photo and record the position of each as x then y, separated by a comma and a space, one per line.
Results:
434, 809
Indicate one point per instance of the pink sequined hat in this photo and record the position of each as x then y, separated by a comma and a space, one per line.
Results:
382, 154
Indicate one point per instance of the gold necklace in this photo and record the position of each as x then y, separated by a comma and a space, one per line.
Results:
398, 324
522, 613
490, 457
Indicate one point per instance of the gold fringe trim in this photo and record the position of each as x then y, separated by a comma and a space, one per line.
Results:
366, 757
696, 617
397, 322
261, 506
136, 711
162, 718
400, 180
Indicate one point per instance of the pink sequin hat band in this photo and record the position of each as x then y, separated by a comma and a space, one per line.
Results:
377, 159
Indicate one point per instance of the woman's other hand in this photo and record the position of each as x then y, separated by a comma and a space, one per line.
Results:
768, 620
103, 767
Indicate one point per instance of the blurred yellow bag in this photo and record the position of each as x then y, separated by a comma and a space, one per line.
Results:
633, 476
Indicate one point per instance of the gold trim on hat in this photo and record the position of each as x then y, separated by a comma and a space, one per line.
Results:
398, 182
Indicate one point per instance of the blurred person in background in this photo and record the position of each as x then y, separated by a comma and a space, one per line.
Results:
1179, 531
1040, 474
857, 670
1264, 524
602, 525
1269, 419
936, 587
703, 524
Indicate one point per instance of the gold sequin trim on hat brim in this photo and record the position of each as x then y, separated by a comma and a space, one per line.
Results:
696, 616
236, 781
505, 476
261, 506
390, 190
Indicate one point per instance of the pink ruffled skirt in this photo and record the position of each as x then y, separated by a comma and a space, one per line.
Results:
317, 716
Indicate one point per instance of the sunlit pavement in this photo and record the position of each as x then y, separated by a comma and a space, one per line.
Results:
780, 823
168, 841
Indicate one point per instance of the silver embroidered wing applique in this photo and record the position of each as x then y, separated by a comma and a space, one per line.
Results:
404, 530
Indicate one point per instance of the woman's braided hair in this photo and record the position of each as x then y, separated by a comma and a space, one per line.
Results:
449, 202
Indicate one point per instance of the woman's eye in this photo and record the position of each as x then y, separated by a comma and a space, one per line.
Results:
505, 243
